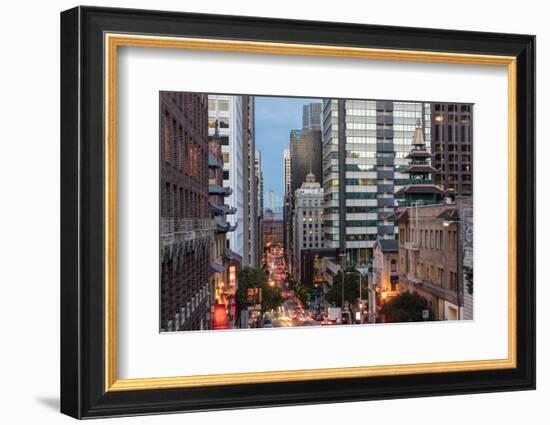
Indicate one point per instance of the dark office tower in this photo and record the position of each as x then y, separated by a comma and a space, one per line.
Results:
305, 154
311, 117
452, 147
185, 220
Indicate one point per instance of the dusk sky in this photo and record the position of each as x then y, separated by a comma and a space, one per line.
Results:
274, 118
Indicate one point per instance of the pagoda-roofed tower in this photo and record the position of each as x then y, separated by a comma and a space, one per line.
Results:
420, 190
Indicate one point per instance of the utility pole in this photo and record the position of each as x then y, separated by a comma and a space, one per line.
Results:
358, 273
343, 267
361, 298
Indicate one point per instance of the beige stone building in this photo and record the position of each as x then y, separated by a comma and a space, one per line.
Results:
428, 254
385, 271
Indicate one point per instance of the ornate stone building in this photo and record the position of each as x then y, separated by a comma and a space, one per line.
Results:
307, 222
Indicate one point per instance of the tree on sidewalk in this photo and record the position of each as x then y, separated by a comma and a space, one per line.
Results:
405, 307
303, 293
351, 288
250, 277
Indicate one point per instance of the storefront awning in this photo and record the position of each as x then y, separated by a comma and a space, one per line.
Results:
217, 268
233, 256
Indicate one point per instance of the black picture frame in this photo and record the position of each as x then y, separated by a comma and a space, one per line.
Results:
83, 392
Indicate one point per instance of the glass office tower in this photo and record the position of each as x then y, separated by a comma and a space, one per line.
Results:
365, 144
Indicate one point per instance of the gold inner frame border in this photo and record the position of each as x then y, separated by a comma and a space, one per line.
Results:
111, 43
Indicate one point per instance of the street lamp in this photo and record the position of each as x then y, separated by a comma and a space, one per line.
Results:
371, 293
360, 294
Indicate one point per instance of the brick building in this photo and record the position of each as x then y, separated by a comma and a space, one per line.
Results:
185, 225
273, 229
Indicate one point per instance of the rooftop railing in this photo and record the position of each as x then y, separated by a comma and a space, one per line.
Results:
411, 245
175, 230
175, 225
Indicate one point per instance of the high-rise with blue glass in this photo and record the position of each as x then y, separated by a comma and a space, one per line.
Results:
366, 144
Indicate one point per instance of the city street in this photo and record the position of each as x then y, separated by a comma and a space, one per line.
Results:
292, 312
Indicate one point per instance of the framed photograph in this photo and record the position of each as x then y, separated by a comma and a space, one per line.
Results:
261, 212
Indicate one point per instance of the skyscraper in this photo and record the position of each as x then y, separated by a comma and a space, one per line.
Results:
259, 176
286, 202
306, 154
286, 159
365, 148
311, 116
452, 146
260, 194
